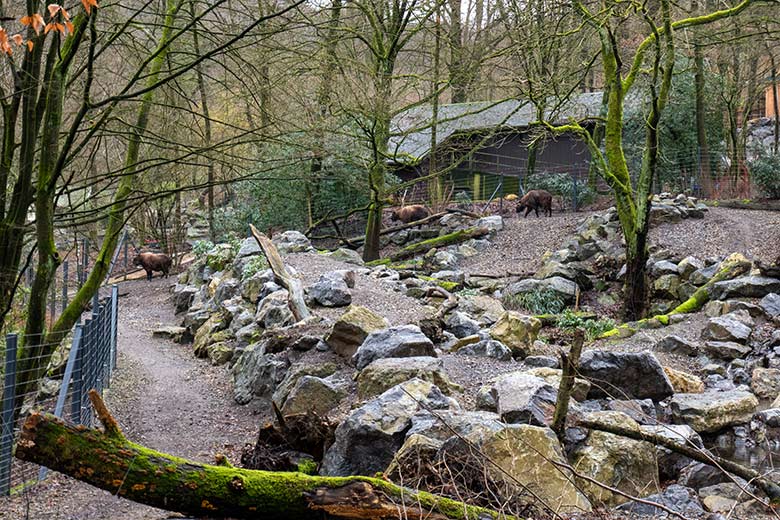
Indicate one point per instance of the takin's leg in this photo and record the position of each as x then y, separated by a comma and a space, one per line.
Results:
536, 210
527, 211
148, 275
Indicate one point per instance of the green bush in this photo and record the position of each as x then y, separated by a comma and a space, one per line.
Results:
593, 328
536, 302
563, 185
201, 247
765, 170
255, 265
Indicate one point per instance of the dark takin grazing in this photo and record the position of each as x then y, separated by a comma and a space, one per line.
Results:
153, 262
410, 213
535, 199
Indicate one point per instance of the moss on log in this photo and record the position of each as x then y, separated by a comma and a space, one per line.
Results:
733, 266
109, 461
445, 240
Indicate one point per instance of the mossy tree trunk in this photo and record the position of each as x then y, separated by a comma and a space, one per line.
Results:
109, 461
445, 240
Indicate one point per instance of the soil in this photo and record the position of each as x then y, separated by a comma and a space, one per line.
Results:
163, 398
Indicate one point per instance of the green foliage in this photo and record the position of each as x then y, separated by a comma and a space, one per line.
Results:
201, 247
255, 265
765, 170
535, 302
593, 328
679, 157
563, 185
280, 195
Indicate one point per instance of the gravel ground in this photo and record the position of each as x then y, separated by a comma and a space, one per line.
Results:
723, 231
163, 398
520, 246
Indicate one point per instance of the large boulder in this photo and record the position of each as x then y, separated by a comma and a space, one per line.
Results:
516, 331
730, 327
404, 341
573, 271
443, 424
667, 286
553, 376
670, 463
206, 332
688, 266
616, 461
712, 411
530, 457
683, 382
366, 441
677, 345
382, 374
461, 324
330, 291
523, 398
770, 304
485, 309
296, 372
727, 350
745, 287
765, 382
561, 287
183, 296
493, 223
625, 375
680, 499
348, 256
257, 374
486, 348
312, 394
274, 311
352, 328
254, 287
292, 242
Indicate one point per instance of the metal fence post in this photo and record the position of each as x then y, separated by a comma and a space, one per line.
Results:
64, 285
7, 432
114, 328
53, 298
63, 395
77, 396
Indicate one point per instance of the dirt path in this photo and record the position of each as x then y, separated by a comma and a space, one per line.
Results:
163, 398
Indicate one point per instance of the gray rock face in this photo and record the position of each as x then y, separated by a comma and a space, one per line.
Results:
404, 341
352, 329
574, 271
677, 345
348, 256
702, 276
444, 260
487, 348
227, 289
493, 222
296, 372
330, 291
369, 437
183, 296
526, 399
385, 373
542, 362
273, 311
713, 411
256, 374
627, 375
463, 422
678, 498
663, 267
770, 304
671, 463
312, 394
745, 287
292, 242
688, 265
727, 350
562, 287
461, 325
252, 287
729, 327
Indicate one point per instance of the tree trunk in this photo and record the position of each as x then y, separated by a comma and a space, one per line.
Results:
701, 115
109, 461
445, 240
457, 61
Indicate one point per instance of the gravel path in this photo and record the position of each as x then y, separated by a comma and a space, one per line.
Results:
163, 398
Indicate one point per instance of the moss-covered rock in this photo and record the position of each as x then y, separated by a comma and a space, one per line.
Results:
313, 394
204, 335
383, 374
516, 331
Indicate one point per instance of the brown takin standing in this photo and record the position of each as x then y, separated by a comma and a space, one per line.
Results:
153, 262
410, 213
535, 199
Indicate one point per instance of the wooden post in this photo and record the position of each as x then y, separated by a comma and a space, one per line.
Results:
569, 364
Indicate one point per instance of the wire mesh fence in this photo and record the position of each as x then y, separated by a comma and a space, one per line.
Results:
85, 362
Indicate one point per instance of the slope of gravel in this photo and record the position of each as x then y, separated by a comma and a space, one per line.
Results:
520, 246
754, 233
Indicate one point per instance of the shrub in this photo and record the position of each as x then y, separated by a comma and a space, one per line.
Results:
201, 247
536, 302
593, 328
255, 265
563, 185
765, 170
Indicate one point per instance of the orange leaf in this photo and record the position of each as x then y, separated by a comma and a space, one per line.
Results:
88, 4
53, 9
18, 39
30, 45
65, 13
49, 27
69, 26
35, 21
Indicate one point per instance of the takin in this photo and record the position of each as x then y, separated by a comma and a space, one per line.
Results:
410, 213
535, 199
153, 262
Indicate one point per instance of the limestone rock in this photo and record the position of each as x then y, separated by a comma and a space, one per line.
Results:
677, 345
312, 393
296, 372
632, 375
516, 331
493, 223
765, 382
553, 377
616, 461
667, 286
460, 324
274, 311
404, 341
745, 287
729, 327
727, 350
256, 374
524, 398
183, 296
383, 374
677, 498
348, 256
486, 348
683, 382
562, 287
352, 328
770, 304
367, 440
205, 334
292, 242
712, 411
330, 291
171, 332
671, 463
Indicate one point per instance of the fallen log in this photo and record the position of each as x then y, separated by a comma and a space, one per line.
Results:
733, 266
293, 285
769, 487
445, 240
109, 461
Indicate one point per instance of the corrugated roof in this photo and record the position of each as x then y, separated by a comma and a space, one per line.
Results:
410, 139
